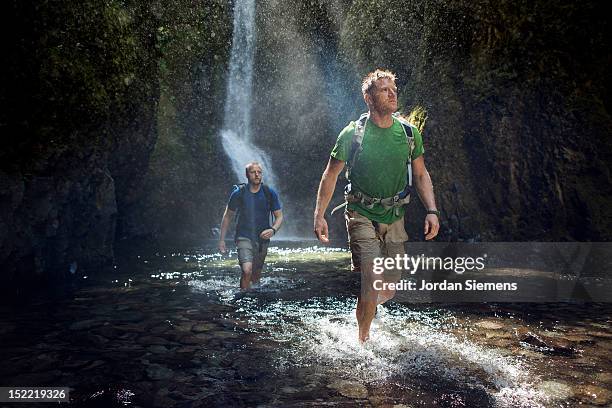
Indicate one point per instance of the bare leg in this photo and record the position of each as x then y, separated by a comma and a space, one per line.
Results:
245, 279
257, 268
391, 249
384, 295
258, 262
367, 301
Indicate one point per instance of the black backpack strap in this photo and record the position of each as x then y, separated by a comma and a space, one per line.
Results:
241, 189
268, 195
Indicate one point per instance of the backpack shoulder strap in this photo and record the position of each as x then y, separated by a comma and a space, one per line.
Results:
357, 141
268, 195
241, 189
408, 131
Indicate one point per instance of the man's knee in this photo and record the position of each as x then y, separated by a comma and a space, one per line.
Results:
247, 268
385, 295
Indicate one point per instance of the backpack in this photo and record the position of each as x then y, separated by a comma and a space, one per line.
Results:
351, 195
356, 145
242, 191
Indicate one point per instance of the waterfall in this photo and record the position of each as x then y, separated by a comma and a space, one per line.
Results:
236, 132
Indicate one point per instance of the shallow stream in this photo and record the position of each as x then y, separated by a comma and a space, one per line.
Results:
170, 329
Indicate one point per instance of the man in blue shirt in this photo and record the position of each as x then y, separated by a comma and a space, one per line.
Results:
254, 202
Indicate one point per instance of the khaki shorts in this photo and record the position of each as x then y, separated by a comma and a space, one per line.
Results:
369, 240
251, 252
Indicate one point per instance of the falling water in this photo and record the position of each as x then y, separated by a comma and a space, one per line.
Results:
236, 133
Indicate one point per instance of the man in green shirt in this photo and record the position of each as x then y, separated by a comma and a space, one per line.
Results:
378, 171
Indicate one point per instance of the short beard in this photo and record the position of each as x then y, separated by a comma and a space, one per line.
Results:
381, 110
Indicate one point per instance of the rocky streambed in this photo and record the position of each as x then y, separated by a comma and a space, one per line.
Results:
171, 330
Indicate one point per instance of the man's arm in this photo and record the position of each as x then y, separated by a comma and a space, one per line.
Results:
225, 223
424, 187
324, 195
278, 220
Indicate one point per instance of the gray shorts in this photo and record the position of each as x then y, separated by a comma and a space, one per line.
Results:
249, 251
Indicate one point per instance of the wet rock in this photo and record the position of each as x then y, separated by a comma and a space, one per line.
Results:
160, 328
95, 340
46, 361
85, 324
556, 390
596, 395
73, 363
379, 401
349, 389
530, 354
193, 340
547, 345
162, 399
40, 379
183, 327
498, 334
604, 377
489, 325
578, 338
549, 333
151, 340
576, 374
94, 364
157, 349
602, 334
203, 327
159, 372
129, 317
226, 334
107, 331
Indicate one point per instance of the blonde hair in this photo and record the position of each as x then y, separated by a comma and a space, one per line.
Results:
372, 77
251, 164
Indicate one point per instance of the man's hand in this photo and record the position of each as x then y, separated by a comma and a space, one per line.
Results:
320, 229
432, 226
266, 234
222, 247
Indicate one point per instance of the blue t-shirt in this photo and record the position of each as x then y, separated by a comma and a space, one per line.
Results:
253, 211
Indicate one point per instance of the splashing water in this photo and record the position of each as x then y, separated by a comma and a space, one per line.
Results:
292, 341
404, 345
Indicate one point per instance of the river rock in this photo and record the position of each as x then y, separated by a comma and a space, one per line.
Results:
596, 395
555, 390
203, 327
152, 340
489, 325
602, 334
604, 377
159, 372
498, 334
548, 345
157, 349
85, 324
349, 389
226, 334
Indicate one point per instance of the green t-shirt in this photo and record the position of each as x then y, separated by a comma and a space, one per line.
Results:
380, 168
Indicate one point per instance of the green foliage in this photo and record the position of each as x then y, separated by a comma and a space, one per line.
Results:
74, 68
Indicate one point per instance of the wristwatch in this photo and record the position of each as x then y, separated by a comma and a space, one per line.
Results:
275, 230
435, 212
